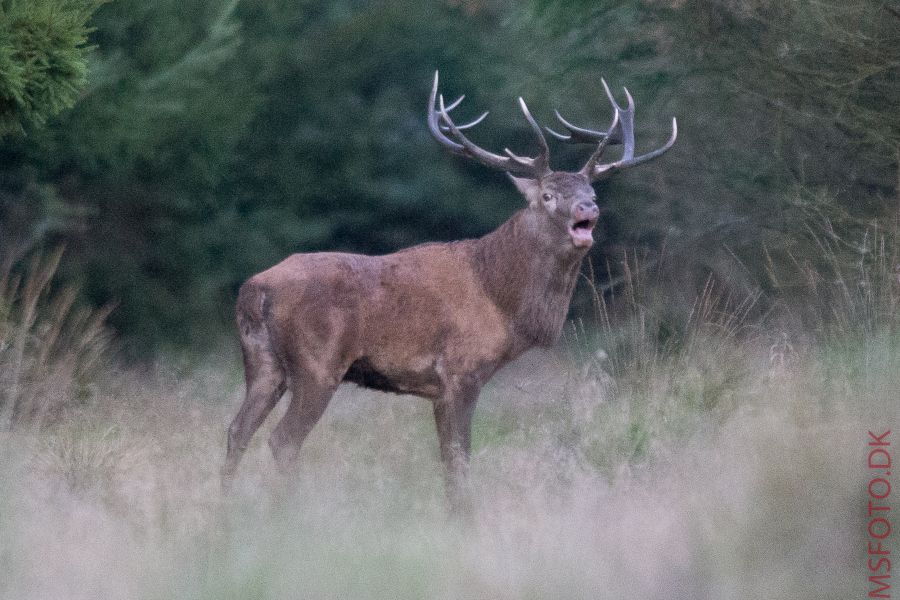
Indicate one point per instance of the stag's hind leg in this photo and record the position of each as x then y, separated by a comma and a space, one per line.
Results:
309, 399
265, 380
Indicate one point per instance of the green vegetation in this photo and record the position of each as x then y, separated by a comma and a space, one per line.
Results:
43, 56
247, 131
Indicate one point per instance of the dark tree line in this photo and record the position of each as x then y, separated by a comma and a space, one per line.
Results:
208, 139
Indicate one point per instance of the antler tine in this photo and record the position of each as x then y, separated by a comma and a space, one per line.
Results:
627, 121
434, 125
440, 123
467, 125
609, 95
456, 103
470, 149
625, 117
605, 170
623, 130
542, 161
578, 135
612, 136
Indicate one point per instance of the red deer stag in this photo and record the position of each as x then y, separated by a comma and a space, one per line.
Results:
435, 320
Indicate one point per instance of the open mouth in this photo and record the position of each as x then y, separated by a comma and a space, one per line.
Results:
581, 232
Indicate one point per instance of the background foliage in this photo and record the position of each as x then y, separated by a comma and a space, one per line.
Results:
215, 137
43, 48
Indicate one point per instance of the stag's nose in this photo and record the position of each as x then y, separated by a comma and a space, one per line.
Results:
586, 210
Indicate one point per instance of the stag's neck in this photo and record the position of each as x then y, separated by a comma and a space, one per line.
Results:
530, 282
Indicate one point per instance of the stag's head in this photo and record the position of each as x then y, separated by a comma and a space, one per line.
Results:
563, 203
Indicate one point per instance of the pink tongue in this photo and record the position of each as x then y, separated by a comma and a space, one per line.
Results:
582, 235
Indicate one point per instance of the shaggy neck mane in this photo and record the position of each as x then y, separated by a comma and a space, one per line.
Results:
529, 281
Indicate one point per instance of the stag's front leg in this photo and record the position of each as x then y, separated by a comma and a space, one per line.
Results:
453, 416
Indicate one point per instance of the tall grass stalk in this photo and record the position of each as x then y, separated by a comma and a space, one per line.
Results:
50, 349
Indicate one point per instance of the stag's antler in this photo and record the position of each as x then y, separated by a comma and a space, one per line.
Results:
581, 135
440, 124
621, 131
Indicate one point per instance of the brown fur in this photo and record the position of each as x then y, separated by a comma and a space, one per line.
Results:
435, 320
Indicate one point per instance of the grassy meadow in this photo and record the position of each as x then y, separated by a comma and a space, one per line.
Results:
726, 463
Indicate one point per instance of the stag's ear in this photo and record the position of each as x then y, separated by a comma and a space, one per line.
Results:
530, 188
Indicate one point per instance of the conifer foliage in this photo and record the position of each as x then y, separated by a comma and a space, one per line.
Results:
43, 58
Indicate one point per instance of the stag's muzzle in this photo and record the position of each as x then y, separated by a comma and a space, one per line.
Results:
584, 217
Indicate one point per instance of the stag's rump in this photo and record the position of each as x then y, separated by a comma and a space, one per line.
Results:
307, 309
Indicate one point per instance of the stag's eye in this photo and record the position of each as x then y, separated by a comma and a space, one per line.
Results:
549, 202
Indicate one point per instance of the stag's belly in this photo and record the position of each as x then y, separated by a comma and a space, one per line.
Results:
422, 382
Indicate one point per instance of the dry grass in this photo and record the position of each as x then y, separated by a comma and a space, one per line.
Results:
626, 492
725, 461
50, 349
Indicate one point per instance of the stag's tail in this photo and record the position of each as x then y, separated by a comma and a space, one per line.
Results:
252, 308
254, 320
